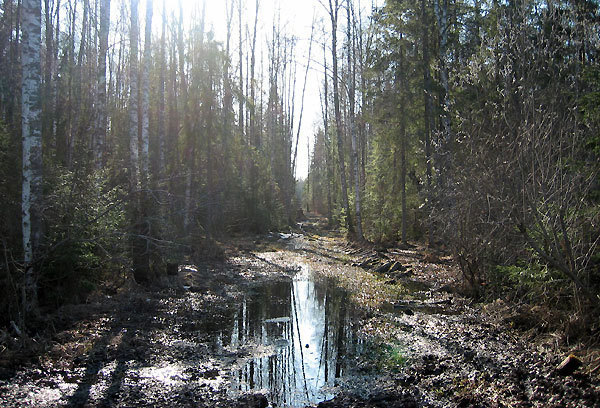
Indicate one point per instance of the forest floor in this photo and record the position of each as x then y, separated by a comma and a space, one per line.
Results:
417, 341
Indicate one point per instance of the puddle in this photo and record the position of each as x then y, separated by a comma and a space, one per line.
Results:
299, 334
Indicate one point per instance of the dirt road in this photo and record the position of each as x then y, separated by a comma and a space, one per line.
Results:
293, 320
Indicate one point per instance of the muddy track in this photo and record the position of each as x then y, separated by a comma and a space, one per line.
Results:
411, 339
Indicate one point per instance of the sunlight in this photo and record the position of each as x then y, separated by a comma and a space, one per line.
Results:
192, 9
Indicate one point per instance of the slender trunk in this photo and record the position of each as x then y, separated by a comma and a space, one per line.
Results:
31, 111
351, 97
308, 194
161, 100
302, 99
190, 134
134, 168
174, 116
333, 14
56, 78
190, 148
100, 135
363, 55
70, 108
255, 140
241, 67
441, 13
48, 108
227, 91
78, 133
428, 111
403, 172
328, 152
145, 94
139, 244
403, 91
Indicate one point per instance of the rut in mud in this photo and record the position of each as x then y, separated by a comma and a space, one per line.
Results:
292, 320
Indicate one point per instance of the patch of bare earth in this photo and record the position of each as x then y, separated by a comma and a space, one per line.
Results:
425, 344
453, 352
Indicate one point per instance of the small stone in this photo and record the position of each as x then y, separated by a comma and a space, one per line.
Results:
569, 365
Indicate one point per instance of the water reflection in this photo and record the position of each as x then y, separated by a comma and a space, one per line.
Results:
302, 331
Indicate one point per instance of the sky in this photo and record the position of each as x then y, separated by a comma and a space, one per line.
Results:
296, 18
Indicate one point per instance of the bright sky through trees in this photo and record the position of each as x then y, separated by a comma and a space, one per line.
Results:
295, 19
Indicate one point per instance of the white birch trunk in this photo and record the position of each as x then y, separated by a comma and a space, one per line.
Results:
32, 146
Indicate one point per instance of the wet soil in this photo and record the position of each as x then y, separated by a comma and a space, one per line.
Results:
296, 319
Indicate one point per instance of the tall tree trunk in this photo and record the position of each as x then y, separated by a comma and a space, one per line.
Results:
403, 90
254, 135
190, 141
160, 157
133, 99
302, 100
78, 133
328, 152
227, 91
67, 145
31, 111
403, 171
48, 108
351, 97
333, 14
441, 13
428, 119
100, 134
140, 251
241, 67
145, 94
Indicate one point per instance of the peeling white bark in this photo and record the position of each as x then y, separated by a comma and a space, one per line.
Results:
32, 146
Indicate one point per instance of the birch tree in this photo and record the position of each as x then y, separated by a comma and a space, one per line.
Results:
31, 111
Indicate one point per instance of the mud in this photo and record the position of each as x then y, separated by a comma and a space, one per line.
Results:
234, 334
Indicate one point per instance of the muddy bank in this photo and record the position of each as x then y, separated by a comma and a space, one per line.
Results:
438, 348
292, 320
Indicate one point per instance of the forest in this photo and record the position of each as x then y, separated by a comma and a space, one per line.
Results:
160, 180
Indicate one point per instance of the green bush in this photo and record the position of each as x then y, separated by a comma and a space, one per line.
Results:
85, 235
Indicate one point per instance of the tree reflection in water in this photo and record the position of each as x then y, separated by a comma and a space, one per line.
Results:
305, 327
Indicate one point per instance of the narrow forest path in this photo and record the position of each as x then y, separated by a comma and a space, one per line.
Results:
291, 320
